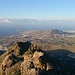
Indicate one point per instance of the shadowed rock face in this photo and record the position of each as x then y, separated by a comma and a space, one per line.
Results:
19, 48
24, 58
1, 52
34, 65
8, 62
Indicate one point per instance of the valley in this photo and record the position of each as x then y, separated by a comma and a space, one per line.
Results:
46, 39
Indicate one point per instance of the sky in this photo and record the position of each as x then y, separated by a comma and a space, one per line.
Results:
38, 9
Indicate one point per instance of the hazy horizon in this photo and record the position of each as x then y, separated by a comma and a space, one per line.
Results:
12, 26
20, 15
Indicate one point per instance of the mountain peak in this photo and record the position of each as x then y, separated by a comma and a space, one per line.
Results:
19, 48
24, 58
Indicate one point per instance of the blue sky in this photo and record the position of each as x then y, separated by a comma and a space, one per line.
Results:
38, 9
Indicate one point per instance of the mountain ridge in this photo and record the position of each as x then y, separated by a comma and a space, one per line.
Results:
24, 58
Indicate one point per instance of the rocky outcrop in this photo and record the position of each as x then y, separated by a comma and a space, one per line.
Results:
8, 62
35, 65
19, 48
24, 58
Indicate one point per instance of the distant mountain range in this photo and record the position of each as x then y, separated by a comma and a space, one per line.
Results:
12, 26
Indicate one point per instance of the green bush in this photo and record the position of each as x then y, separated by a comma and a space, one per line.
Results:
16, 72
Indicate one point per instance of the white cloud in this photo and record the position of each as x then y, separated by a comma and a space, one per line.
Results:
5, 21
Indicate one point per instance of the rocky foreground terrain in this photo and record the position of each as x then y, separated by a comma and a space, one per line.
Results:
24, 58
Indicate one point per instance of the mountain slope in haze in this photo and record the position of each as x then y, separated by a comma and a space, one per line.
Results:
24, 58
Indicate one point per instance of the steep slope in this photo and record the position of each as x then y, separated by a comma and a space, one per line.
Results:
1, 52
10, 61
24, 58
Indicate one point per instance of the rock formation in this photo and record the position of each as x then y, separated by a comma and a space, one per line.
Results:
24, 58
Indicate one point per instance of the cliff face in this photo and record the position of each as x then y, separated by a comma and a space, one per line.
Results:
24, 58
36, 64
